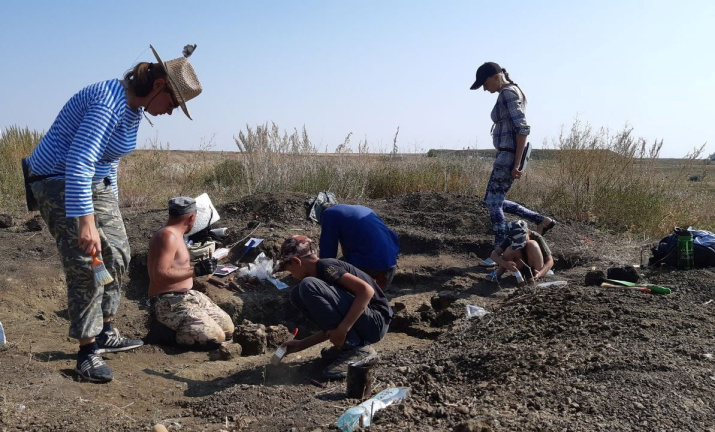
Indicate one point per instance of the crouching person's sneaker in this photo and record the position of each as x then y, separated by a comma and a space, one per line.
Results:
330, 354
93, 368
492, 277
339, 367
111, 341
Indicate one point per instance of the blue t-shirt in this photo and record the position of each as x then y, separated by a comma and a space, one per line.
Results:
365, 240
92, 131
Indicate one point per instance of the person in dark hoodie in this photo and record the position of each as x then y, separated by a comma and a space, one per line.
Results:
366, 242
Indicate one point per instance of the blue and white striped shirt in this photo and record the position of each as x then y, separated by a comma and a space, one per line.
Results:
509, 118
92, 131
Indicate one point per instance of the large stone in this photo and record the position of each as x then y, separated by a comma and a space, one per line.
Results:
398, 306
227, 351
627, 273
443, 300
447, 316
403, 320
276, 335
6, 221
594, 277
34, 224
252, 337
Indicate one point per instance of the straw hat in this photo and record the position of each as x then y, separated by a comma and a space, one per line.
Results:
183, 81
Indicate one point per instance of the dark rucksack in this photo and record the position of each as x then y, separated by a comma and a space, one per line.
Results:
666, 252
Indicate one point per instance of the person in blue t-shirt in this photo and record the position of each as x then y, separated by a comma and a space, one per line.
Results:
72, 174
366, 242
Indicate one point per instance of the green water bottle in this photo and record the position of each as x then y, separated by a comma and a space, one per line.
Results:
685, 248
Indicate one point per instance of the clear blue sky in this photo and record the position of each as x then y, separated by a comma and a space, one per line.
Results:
369, 66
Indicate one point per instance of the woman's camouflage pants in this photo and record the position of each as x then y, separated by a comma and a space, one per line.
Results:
87, 303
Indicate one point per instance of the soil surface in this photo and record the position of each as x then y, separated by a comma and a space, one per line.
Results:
571, 358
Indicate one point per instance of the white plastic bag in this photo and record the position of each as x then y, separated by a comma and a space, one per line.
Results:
361, 415
262, 269
552, 284
476, 311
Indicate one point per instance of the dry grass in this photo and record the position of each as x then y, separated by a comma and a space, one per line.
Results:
613, 180
15, 143
618, 180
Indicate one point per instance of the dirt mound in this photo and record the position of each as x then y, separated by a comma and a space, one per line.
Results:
571, 358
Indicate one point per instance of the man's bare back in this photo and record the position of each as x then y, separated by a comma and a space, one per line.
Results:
168, 262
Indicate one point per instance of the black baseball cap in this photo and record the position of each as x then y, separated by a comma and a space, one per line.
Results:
485, 71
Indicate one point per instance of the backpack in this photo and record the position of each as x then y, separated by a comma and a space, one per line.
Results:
314, 206
666, 251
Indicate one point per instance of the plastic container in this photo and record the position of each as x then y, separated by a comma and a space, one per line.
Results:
685, 249
476, 312
361, 415
219, 232
552, 284
519, 278
358, 384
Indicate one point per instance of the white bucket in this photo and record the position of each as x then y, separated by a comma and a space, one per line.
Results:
206, 213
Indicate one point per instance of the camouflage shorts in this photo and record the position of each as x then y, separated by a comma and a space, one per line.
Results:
194, 317
87, 303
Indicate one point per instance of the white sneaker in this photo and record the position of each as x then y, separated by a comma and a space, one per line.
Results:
111, 341
488, 262
492, 277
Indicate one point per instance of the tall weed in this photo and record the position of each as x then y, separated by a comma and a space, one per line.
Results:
15, 143
614, 180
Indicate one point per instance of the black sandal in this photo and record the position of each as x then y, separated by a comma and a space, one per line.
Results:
548, 227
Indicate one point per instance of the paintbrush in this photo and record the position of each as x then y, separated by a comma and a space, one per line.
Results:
281, 351
101, 275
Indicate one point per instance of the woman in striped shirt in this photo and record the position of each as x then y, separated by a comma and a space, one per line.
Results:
73, 175
509, 138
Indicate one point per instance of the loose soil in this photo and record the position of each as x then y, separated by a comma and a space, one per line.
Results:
571, 358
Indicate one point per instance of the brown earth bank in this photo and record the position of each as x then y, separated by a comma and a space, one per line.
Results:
571, 358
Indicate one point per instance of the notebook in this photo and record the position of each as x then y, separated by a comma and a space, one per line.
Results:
525, 157
225, 270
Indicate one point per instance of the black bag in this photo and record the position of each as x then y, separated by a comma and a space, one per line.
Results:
32, 204
29, 197
314, 206
666, 251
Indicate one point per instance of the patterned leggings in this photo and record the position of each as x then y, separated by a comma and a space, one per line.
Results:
495, 198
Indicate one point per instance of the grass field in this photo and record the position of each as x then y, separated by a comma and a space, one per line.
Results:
614, 181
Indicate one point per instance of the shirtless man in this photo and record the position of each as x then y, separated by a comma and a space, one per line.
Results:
196, 320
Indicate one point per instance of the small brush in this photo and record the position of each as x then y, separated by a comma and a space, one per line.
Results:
101, 275
281, 351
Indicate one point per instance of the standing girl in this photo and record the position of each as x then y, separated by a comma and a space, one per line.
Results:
509, 134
